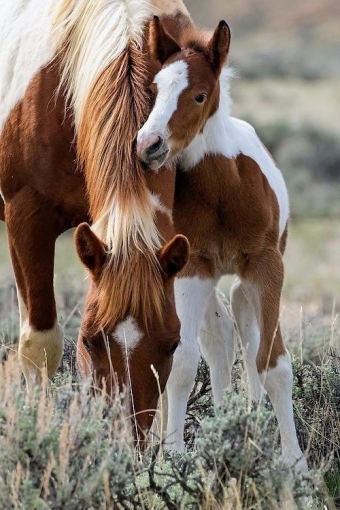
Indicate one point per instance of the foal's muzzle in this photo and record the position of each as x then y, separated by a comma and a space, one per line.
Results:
152, 150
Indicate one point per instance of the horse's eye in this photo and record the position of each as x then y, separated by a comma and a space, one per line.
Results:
87, 344
201, 98
171, 351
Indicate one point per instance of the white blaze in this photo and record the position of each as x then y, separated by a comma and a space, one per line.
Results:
170, 81
128, 335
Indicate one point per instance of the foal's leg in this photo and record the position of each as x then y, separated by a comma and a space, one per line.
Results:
32, 242
192, 296
262, 281
248, 330
216, 340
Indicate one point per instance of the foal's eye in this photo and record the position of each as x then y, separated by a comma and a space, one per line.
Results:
171, 351
201, 98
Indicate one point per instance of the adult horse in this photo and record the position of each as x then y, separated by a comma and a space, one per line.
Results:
230, 184
73, 94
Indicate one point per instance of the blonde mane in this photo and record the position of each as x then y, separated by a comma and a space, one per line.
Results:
106, 76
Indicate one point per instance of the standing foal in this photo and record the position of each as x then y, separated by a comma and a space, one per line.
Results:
232, 204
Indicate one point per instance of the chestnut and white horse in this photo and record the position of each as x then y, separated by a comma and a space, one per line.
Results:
232, 204
74, 90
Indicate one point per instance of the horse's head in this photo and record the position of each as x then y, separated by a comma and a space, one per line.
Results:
186, 91
129, 354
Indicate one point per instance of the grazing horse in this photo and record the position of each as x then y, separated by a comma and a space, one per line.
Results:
73, 93
232, 204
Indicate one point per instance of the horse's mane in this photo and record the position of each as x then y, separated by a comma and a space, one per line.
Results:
106, 75
194, 38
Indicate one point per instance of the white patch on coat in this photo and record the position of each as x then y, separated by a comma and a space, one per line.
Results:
25, 47
171, 81
228, 136
128, 335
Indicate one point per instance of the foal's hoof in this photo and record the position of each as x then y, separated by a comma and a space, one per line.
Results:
301, 466
298, 466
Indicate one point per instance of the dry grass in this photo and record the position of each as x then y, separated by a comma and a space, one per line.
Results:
55, 449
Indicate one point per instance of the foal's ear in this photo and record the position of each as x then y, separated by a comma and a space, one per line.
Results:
174, 255
161, 44
90, 249
218, 46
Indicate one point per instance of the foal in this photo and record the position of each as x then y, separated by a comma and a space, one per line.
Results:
232, 204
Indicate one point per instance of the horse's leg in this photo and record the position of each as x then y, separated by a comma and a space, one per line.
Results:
31, 233
217, 345
262, 281
192, 296
2, 208
248, 330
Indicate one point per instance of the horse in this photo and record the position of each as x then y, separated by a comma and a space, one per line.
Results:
232, 204
74, 90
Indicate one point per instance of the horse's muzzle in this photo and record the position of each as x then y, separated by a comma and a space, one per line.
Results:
152, 150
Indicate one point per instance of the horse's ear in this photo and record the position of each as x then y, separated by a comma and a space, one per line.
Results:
90, 249
161, 44
174, 255
218, 46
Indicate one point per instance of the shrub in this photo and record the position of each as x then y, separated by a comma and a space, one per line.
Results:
67, 451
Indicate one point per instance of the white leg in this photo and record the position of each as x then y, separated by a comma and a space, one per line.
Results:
247, 328
278, 382
192, 296
38, 349
216, 340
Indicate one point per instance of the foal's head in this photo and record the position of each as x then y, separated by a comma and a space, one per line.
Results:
122, 354
186, 90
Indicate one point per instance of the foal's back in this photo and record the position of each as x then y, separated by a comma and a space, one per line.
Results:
236, 211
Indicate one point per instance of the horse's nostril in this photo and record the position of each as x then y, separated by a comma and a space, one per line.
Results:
154, 147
